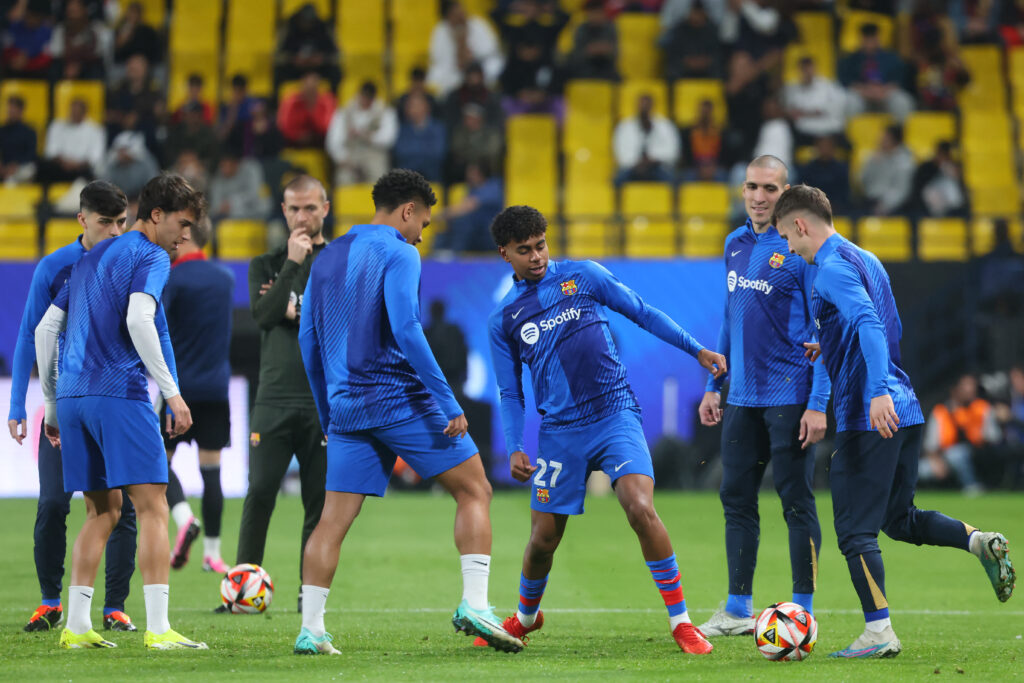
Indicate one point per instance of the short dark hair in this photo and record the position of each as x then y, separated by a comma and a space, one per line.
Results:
896, 131
195, 79
170, 192
399, 186
869, 29
518, 224
239, 81
305, 182
104, 198
803, 198
369, 89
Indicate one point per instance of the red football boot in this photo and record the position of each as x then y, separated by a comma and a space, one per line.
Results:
691, 640
514, 628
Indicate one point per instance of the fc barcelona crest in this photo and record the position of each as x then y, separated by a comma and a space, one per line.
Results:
569, 287
776, 260
543, 496
254, 439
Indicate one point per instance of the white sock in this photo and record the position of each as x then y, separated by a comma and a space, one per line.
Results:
156, 595
878, 625
526, 619
181, 513
314, 603
974, 543
475, 571
79, 608
211, 547
683, 618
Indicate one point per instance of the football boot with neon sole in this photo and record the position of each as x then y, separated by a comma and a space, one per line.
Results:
308, 644
171, 640
871, 645
993, 551
118, 621
690, 639
88, 640
515, 628
45, 618
484, 624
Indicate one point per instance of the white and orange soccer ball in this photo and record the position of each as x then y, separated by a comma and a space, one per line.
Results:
247, 589
785, 632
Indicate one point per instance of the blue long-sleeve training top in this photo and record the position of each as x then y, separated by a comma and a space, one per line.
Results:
362, 343
767, 320
558, 328
859, 330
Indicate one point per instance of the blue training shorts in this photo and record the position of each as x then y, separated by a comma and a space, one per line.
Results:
566, 457
361, 462
108, 442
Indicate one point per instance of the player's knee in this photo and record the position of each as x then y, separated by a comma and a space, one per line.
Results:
641, 515
857, 544
543, 544
899, 529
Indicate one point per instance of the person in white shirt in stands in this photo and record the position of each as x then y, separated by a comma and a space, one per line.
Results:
360, 137
816, 105
74, 147
646, 146
457, 41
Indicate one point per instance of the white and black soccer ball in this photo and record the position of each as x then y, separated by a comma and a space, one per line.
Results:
247, 589
785, 632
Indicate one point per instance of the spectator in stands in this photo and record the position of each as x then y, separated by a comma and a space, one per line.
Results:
924, 27
474, 141
133, 36
938, 188
421, 144
236, 188
815, 105
469, 220
829, 174
595, 47
260, 139
135, 94
304, 116
78, 44
703, 146
26, 40
417, 86
646, 146
190, 167
976, 21
473, 91
692, 46
746, 89
193, 98
776, 136
872, 77
457, 41
940, 77
757, 28
887, 176
237, 111
954, 434
675, 11
17, 144
195, 134
129, 163
360, 137
307, 45
74, 147
1011, 23
1014, 425
530, 31
879, 6
530, 84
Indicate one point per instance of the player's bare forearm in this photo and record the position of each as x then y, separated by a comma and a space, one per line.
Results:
520, 467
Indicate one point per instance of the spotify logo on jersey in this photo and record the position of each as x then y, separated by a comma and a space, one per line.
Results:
530, 333
731, 280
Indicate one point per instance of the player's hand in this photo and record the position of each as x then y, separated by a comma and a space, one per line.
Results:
710, 410
300, 245
883, 416
812, 427
52, 435
19, 430
264, 288
457, 427
179, 417
712, 362
519, 464
813, 351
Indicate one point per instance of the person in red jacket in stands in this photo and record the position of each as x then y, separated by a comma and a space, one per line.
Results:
303, 117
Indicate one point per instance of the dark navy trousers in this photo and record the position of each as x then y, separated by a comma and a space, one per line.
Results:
51, 534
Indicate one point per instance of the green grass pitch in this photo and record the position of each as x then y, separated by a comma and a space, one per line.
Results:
399, 581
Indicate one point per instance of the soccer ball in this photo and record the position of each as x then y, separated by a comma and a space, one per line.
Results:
247, 589
785, 631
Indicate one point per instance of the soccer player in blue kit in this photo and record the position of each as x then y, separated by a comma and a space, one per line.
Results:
777, 400
879, 423
103, 212
553, 320
99, 408
380, 394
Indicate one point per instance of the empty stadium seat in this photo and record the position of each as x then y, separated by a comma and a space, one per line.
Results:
650, 238
649, 200
924, 129
639, 56
240, 240
359, 26
844, 226
589, 239
154, 12
92, 92
995, 168
589, 201
631, 90
590, 167
531, 171
411, 21
19, 240
705, 200
312, 161
886, 238
19, 201
592, 97
942, 239
865, 130
689, 93
704, 238
589, 115
995, 200
849, 34
60, 232
983, 235
249, 37
456, 193
352, 204
36, 95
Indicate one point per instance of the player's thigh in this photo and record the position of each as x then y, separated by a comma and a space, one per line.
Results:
904, 479
128, 434
861, 477
792, 465
357, 462
746, 449
617, 446
422, 443
559, 485
83, 468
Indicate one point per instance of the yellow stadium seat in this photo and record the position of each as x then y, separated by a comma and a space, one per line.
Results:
650, 239
814, 28
37, 104
195, 27
823, 55
324, 8
584, 133
239, 240
979, 126
19, 201
93, 92
311, 160
19, 241
257, 67
844, 226
993, 169
360, 27
588, 167
639, 56
984, 62
942, 239
983, 235
456, 193
631, 90
688, 94
525, 190
705, 200
886, 238
995, 200
353, 204
923, 130
250, 25
360, 68
60, 232
704, 238
849, 35
531, 138
590, 97
531, 170
649, 200
411, 21
865, 130
154, 12
589, 200
55, 191
589, 239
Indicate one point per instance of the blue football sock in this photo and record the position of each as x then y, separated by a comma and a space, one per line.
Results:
107, 611
740, 605
51, 603
805, 600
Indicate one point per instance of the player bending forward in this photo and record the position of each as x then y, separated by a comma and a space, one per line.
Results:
380, 393
873, 473
553, 320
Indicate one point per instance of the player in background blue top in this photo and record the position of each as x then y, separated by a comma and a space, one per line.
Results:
99, 408
777, 400
553, 321
873, 471
102, 214
380, 394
